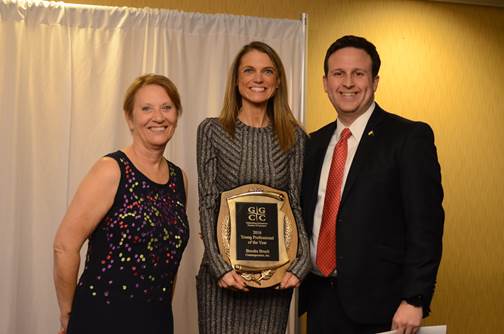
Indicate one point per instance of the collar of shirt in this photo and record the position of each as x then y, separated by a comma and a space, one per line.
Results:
358, 126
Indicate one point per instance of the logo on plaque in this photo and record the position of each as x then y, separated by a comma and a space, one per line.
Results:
257, 233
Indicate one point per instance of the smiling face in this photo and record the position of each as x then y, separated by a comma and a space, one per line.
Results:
349, 83
154, 117
257, 78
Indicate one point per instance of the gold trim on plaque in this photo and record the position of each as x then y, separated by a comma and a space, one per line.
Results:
258, 273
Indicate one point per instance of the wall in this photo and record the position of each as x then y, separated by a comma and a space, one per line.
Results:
444, 64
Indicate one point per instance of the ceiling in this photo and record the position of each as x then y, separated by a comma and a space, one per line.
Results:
493, 3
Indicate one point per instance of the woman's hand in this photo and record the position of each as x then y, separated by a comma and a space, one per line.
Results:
289, 281
231, 280
64, 323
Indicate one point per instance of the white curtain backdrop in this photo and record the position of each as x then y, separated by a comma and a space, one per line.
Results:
63, 72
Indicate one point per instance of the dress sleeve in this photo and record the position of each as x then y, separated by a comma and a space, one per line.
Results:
301, 265
209, 197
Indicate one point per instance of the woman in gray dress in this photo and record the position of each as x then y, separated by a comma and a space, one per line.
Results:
256, 139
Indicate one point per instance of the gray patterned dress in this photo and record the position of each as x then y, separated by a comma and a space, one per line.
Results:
252, 156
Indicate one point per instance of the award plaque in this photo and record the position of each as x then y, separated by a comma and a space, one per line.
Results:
257, 233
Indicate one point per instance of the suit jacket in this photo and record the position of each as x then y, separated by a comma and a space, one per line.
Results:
390, 221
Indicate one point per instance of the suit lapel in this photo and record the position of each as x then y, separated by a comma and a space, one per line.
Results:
314, 158
319, 146
363, 153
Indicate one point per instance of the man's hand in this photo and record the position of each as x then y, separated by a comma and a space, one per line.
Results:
407, 318
231, 280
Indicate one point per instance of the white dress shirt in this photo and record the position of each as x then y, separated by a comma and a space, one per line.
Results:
357, 128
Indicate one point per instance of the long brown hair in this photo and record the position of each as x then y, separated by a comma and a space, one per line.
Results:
278, 109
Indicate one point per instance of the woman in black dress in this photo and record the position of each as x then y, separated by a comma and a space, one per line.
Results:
131, 208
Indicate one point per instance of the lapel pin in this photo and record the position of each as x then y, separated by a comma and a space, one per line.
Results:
371, 133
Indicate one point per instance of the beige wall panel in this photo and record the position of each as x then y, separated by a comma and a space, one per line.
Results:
444, 64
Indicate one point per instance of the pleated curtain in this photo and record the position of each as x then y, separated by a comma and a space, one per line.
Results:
63, 73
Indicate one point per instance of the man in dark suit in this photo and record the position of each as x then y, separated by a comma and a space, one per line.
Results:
372, 205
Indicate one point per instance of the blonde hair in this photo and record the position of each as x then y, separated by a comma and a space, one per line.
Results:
278, 109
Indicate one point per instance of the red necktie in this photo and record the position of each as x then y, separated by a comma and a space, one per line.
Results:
326, 245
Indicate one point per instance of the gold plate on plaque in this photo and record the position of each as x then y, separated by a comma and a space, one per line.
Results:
257, 233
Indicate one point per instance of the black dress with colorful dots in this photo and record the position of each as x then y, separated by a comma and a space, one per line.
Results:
133, 256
